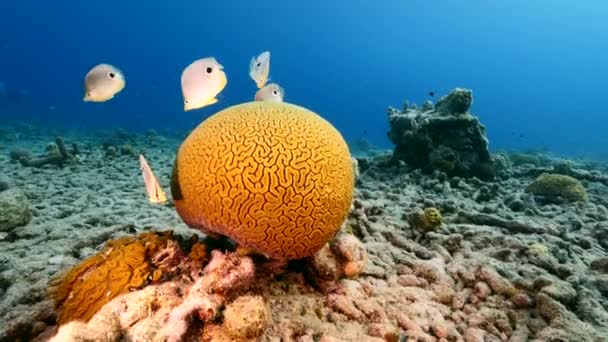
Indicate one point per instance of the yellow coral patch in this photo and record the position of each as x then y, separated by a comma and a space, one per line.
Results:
274, 177
429, 219
551, 186
432, 218
121, 266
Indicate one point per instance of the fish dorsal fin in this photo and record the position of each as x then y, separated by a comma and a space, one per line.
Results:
153, 189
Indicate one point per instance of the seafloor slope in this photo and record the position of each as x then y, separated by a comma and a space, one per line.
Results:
502, 265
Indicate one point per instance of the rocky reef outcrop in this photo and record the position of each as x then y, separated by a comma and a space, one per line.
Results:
444, 136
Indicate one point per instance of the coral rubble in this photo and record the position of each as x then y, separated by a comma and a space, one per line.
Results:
56, 154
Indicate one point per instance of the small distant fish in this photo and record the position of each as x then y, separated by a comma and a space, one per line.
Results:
103, 82
271, 93
202, 80
51, 107
431, 93
155, 192
259, 69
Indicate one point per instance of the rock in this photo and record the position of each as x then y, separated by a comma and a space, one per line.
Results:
14, 209
503, 165
559, 290
4, 184
600, 232
447, 139
458, 101
600, 264
246, 318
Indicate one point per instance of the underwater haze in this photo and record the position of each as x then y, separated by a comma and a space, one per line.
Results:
537, 68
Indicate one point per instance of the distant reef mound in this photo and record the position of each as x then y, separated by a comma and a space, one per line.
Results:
444, 136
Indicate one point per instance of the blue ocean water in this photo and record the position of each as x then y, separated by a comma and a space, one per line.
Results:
537, 68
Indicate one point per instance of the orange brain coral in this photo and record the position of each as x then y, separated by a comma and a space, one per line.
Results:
123, 265
274, 177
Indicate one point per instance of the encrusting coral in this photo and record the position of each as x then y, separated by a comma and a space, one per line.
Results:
554, 186
123, 265
274, 177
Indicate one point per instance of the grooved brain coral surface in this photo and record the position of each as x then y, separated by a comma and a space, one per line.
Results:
122, 266
274, 177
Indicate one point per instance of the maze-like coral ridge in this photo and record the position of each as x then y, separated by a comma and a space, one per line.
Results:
121, 266
274, 177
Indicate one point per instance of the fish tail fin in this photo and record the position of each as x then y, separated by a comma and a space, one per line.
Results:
252, 68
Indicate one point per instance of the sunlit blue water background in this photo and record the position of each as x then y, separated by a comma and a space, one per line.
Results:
537, 68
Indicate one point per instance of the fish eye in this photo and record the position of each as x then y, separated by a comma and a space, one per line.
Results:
275, 92
111, 75
258, 65
209, 70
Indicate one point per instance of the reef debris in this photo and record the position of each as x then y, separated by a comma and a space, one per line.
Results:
56, 154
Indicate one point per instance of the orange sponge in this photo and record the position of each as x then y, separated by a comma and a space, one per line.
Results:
274, 177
